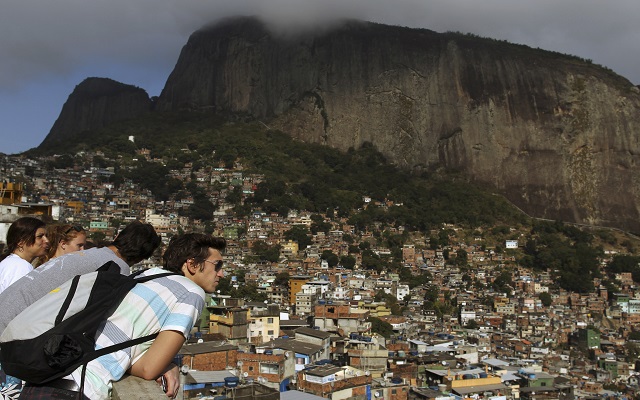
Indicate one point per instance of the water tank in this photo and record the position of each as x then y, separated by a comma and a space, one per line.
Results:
467, 376
268, 352
532, 376
322, 302
413, 353
353, 336
396, 381
231, 381
442, 388
392, 353
483, 374
401, 353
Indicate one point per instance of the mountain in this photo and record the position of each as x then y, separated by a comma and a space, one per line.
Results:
556, 134
94, 104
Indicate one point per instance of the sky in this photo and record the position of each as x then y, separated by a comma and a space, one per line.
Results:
48, 47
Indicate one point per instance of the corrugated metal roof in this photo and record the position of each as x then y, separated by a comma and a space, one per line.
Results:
480, 388
207, 376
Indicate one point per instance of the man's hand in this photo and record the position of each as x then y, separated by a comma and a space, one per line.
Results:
172, 380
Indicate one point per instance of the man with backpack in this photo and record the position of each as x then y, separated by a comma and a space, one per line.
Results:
135, 243
167, 305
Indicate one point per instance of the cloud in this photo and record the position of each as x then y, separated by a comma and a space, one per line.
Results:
44, 38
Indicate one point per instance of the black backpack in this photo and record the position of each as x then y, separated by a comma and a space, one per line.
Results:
55, 335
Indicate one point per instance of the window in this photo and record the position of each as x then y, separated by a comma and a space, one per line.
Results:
269, 320
270, 332
269, 368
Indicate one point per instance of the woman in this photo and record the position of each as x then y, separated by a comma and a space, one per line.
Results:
64, 239
26, 241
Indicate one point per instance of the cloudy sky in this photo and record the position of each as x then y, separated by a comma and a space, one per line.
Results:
47, 47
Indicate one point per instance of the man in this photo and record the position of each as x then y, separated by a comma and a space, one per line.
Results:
169, 306
136, 242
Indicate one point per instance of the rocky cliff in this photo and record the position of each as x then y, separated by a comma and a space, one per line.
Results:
96, 103
556, 134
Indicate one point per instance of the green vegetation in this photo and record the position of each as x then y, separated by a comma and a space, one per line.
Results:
625, 263
567, 252
333, 184
381, 327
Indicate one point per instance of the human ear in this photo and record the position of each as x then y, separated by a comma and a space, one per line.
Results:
190, 266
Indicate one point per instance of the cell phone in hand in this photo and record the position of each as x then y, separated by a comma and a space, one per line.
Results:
164, 383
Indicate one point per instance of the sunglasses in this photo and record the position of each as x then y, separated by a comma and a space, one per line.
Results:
76, 228
217, 264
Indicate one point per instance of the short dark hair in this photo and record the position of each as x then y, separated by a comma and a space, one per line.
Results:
190, 245
136, 242
22, 231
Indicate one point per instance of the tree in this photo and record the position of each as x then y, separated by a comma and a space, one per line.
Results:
266, 252
461, 258
545, 298
349, 262
234, 196
250, 292
202, 208
97, 236
390, 300
282, 280
300, 234
331, 258
432, 293
381, 327
472, 324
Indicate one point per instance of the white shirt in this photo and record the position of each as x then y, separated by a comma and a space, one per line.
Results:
13, 268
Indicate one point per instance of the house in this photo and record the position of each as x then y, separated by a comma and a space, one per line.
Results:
264, 322
338, 382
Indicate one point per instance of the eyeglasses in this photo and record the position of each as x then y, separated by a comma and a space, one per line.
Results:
76, 228
217, 264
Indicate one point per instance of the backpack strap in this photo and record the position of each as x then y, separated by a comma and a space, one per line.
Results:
123, 345
68, 299
110, 349
142, 279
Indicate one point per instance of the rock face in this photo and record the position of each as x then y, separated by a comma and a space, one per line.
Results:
96, 103
557, 135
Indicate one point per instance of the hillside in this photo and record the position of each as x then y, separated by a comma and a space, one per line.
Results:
554, 134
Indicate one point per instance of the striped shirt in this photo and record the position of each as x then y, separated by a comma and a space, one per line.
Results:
169, 303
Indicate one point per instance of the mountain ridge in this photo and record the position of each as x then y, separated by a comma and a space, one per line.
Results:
556, 134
